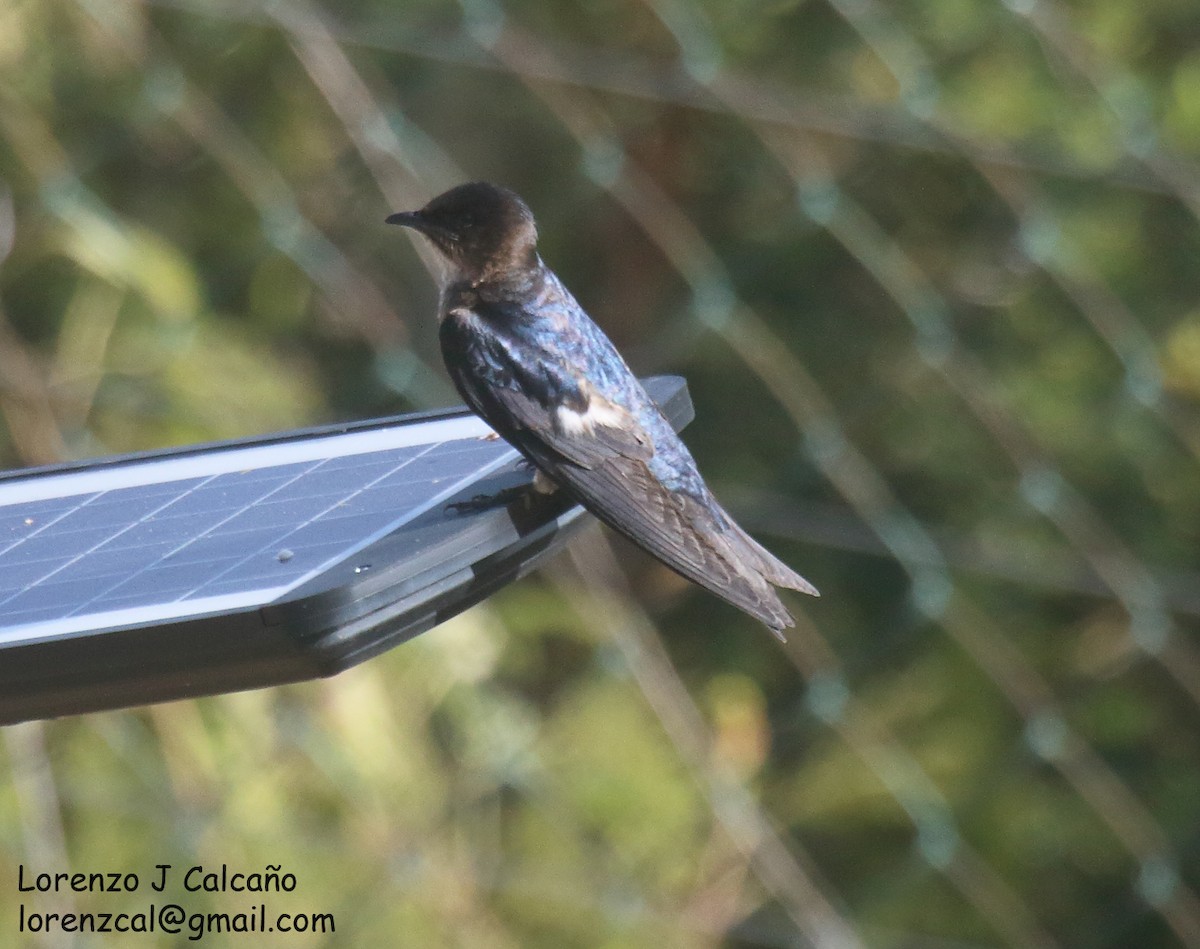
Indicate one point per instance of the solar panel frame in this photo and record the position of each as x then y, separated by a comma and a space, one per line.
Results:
410, 573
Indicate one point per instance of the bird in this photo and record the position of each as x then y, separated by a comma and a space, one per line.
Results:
526, 357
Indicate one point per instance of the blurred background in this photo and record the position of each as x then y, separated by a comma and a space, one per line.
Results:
932, 272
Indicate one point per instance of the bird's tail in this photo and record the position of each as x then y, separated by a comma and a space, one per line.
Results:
773, 569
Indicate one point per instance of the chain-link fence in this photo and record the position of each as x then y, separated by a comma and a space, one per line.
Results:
932, 272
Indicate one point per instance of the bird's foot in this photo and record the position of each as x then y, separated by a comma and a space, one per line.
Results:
485, 502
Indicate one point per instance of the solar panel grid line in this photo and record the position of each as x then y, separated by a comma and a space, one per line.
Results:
29, 517
107, 540
216, 527
84, 552
431, 502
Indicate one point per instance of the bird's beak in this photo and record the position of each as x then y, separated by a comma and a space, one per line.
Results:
405, 219
422, 225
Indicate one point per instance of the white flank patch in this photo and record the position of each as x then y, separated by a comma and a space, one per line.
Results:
598, 412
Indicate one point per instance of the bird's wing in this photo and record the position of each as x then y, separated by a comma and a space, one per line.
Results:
599, 452
586, 431
520, 385
677, 529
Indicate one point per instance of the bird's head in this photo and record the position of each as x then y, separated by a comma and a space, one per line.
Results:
482, 230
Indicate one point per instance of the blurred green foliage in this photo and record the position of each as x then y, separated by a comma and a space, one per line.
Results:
931, 270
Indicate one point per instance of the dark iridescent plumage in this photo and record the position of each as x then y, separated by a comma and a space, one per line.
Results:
529, 360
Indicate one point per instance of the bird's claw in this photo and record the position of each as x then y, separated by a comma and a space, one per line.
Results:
481, 502
485, 502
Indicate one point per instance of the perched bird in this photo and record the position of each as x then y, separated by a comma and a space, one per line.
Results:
530, 361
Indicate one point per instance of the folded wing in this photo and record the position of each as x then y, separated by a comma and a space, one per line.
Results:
599, 453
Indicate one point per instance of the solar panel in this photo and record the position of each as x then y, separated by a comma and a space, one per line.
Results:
230, 566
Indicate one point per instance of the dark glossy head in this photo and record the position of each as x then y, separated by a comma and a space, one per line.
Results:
483, 230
